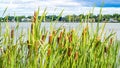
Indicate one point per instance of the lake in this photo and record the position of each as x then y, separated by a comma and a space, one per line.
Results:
115, 27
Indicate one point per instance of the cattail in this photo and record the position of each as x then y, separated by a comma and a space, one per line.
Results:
49, 52
54, 32
106, 49
35, 17
76, 56
69, 51
70, 38
85, 30
111, 41
61, 34
28, 43
98, 39
50, 39
12, 33
32, 25
43, 37
34, 21
58, 40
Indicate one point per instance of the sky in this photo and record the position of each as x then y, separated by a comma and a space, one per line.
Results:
27, 7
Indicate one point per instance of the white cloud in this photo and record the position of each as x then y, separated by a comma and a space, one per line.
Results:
27, 7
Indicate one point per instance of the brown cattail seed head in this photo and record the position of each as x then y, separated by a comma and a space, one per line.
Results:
12, 33
70, 38
35, 17
69, 51
76, 55
85, 30
43, 37
111, 41
58, 40
106, 49
32, 28
50, 39
28, 43
49, 52
61, 34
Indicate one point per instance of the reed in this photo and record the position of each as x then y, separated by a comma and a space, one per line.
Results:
59, 48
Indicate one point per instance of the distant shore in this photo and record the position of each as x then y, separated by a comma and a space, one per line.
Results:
114, 18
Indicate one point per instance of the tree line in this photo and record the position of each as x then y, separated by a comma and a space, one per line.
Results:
68, 18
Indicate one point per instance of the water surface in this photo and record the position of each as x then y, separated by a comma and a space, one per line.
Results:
24, 26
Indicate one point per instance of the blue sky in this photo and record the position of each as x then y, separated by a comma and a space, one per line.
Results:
98, 3
27, 7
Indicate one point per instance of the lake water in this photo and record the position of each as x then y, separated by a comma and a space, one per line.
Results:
115, 27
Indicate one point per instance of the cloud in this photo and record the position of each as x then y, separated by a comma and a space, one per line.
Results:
27, 7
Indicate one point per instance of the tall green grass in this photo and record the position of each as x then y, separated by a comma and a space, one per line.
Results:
59, 48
